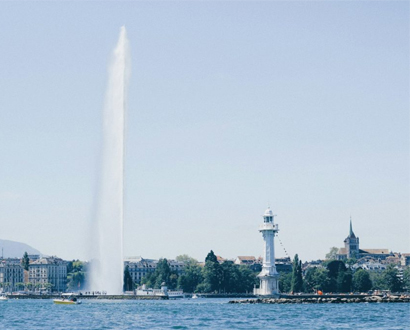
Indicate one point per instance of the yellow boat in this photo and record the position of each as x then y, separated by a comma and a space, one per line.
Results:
67, 299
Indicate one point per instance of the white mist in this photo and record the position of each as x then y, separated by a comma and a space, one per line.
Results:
106, 273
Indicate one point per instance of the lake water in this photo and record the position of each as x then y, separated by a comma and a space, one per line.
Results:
200, 313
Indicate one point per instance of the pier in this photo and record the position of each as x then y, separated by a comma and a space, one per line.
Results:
329, 299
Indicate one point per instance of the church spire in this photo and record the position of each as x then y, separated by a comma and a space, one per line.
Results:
351, 233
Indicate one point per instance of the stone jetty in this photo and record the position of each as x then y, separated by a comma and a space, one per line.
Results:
326, 300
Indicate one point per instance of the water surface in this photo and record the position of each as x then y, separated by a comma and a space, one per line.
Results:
200, 313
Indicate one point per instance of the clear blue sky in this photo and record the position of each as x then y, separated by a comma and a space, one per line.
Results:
233, 106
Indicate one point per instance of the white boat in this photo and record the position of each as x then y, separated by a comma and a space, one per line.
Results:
3, 297
148, 292
163, 292
175, 294
67, 299
194, 296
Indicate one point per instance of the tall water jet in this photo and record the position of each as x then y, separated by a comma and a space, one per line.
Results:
107, 233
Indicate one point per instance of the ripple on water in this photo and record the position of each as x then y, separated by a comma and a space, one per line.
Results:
206, 313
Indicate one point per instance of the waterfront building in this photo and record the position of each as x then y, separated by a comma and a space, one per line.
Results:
351, 244
176, 266
250, 261
139, 267
370, 266
395, 259
352, 249
377, 254
221, 260
269, 277
312, 264
11, 273
283, 265
49, 273
33, 257
405, 259
245, 260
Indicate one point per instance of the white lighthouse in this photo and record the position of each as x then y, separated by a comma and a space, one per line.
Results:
269, 277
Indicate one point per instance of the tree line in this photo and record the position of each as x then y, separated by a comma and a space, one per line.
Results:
213, 277
334, 276
227, 277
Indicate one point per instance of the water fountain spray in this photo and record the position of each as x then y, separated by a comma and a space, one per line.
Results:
107, 265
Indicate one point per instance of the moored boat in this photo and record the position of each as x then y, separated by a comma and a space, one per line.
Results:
175, 294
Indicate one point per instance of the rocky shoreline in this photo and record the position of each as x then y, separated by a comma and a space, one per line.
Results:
327, 300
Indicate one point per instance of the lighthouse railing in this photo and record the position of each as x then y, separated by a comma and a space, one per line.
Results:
269, 226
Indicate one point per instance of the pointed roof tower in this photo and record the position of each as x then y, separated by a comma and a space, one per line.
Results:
351, 233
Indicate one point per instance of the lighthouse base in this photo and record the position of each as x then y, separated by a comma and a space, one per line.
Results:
269, 286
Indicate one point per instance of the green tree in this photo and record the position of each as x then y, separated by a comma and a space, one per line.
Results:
149, 280
230, 277
247, 279
203, 287
212, 273
332, 253
6, 286
128, 282
161, 274
76, 275
344, 280
186, 259
317, 278
173, 280
78, 266
391, 279
25, 261
334, 267
406, 278
285, 282
211, 257
362, 281
191, 278
47, 286
297, 279
75, 281
377, 280
70, 266
19, 286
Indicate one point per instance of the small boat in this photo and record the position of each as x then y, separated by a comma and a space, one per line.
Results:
194, 296
67, 299
175, 294
3, 297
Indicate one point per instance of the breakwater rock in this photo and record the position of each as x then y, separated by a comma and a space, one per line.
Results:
325, 300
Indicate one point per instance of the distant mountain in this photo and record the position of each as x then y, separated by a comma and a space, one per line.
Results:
13, 249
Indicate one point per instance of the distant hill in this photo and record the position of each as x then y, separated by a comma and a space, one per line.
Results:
13, 249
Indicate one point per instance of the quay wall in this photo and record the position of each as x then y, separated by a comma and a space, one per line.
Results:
110, 297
